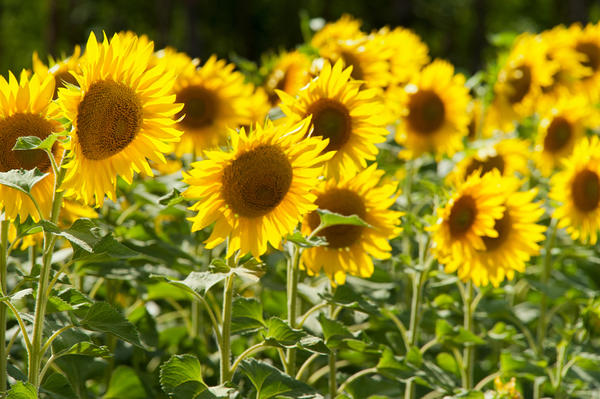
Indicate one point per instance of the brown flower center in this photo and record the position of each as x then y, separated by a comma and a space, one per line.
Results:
426, 112
486, 165
503, 227
257, 181
351, 60
344, 202
200, 107
519, 83
108, 119
586, 190
462, 216
558, 135
14, 127
331, 120
592, 52
62, 78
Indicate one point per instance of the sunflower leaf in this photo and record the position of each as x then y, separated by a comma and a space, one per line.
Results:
21, 179
196, 283
103, 317
172, 198
298, 239
35, 143
270, 382
279, 333
329, 218
22, 390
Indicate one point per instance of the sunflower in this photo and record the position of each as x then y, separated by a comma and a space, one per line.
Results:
368, 59
122, 114
350, 248
519, 83
517, 239
406, 53
177, 62
507, 156
26, 109
214, 98
60, 69
470, 214
475, 112
435, 117
345, 28
563, 121
258, 191
577, 189
343, 113
561, 48
290, 74
586, 42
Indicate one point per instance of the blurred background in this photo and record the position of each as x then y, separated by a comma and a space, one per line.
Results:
462, 31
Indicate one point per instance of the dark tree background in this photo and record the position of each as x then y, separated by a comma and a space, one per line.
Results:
462, 31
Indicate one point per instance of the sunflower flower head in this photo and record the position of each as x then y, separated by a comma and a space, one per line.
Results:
350, 248
517, 239
122, 115
345, 28
215, 98
61, 69
290, 73
507, 156
577, 190
26, 109
563, 122
257, 191
435, 115
469, 215
350, 117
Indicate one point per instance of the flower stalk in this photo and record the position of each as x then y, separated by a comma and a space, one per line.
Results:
4, 225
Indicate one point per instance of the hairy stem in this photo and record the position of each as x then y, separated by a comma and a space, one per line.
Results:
3, 291
225, 346
293, 275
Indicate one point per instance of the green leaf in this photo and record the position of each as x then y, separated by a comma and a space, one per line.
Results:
56, 304
180, 370
447, 362
298, 239
329, 218
333, 331
269, 382
443, 329
279, 333
21, 179
35, 143
196, 283
251, 269
466, 337
125, 383
172, 198
102, 317
88, 349
22, 390
414, 357
247, 314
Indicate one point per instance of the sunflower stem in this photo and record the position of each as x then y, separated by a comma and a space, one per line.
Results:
3, 291
469, 353
293, 275
225, 347
36, 354
546, 271
332, 360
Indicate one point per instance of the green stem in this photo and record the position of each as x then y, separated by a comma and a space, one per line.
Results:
3, 291
35, 357
36, 354
225, 347
332, 373
546, 271
293, 275
332, 360
251, 350
196, 319
469, 354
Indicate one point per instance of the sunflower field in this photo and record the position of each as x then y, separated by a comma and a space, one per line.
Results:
349, 219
